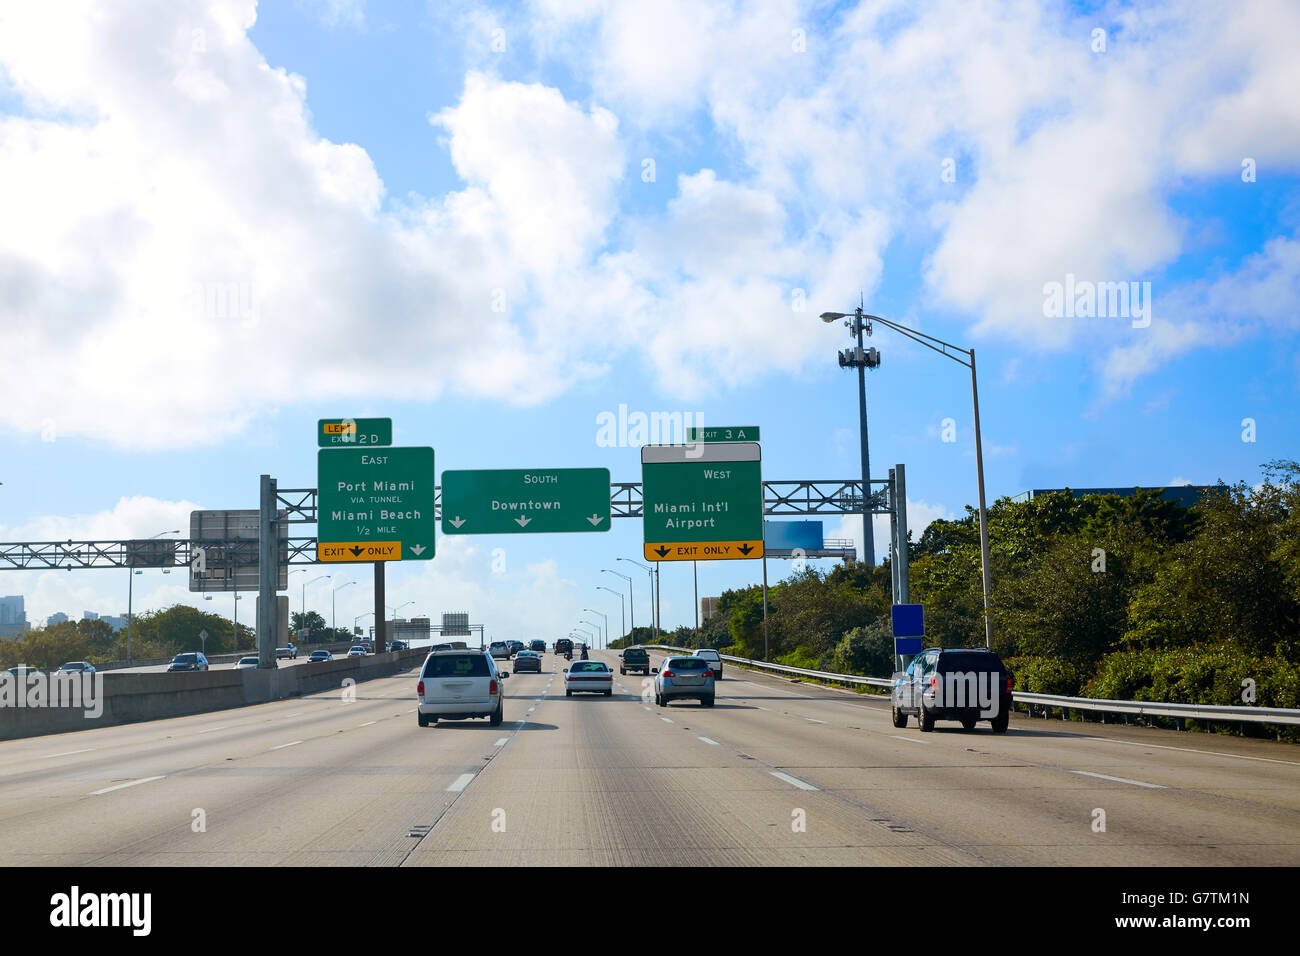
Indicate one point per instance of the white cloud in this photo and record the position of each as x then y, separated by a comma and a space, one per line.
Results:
919, 516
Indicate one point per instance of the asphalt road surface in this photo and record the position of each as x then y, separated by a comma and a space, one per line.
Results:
777, 773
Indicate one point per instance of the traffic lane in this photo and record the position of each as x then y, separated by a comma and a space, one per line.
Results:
118, 748
1248, 769
225, 666
615, 785
1023, 796
348, 794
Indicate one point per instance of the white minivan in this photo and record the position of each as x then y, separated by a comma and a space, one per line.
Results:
714, 659
456, 684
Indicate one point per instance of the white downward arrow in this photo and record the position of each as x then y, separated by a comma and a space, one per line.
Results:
457, 521
418, 549
596, 519
522, 521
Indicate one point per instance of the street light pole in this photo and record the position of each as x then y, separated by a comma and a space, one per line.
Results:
622, 609
631, 601
654, 617
964, 357
334, 619
130, 594
604, 617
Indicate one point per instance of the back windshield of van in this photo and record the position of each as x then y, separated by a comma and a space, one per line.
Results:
456, 665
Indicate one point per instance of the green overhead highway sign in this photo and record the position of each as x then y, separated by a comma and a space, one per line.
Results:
375, 504
525, 501
720, 433
702, 503
350, 432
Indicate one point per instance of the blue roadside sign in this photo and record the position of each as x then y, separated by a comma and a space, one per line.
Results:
909, 628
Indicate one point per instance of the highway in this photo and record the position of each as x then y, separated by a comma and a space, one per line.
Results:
777, 773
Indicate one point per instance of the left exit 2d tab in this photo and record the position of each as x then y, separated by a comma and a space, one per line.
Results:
375, 504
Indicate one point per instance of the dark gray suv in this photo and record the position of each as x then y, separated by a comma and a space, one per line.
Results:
962, 684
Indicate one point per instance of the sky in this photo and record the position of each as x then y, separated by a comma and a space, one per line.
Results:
221, 221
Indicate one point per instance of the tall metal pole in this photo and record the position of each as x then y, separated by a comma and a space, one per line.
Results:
659, 621
379, 607
631, 601
695, 568
130, 618
765, 648
868, 541
985, 570
267, 575
900, 512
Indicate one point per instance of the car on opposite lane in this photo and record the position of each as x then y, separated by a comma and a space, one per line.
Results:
246, 664
588, 677
193, 661
460, 684
528, 661
357, 650
714, 659
321, 655
684, 677
77, 667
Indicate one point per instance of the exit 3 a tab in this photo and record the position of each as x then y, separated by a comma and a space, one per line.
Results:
359, 551
704, 551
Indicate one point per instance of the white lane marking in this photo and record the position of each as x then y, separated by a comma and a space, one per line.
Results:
531, 709
502, 742
760, 707
68, 753
292, 743
801, 784
132, 783
294, 714
1136, 783
708, 741
213, 730
814, 720
460, 783
1191, 750
666, 720
645, 708
910, 740
520, 723
369, 722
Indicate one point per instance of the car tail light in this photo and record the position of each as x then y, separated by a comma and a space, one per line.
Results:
1009, 680
492, 686
667, 674
419, 688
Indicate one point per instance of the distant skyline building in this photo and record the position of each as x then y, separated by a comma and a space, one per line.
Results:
58, 617
13, 616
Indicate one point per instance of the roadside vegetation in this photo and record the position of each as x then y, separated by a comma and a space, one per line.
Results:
1099, 596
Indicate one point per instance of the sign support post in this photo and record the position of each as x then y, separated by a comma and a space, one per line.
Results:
267, 569
379, 607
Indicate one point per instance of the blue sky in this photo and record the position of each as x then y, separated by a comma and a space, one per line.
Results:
224, 221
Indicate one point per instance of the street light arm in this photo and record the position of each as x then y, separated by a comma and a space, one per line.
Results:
921, 337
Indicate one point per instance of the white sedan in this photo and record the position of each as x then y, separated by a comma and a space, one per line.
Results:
246, 664
588, 677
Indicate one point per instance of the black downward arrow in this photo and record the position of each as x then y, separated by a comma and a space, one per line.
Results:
662, 552
356, 551
745, 549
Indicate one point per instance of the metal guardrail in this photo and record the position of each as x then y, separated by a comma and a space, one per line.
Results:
1207, 712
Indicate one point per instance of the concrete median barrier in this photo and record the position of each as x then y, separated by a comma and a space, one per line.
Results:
128, 698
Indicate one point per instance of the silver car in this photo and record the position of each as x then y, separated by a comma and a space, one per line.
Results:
690, 677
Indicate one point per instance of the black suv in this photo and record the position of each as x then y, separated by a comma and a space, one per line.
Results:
963, 684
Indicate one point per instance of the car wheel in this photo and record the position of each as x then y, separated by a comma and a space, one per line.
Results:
925, 719
422, 719
622, 672
900, 718
568, 693
706, 701
968, 723
609, 693
498, 716
1000, 722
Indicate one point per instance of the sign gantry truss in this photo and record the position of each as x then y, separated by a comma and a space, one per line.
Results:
298, 506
